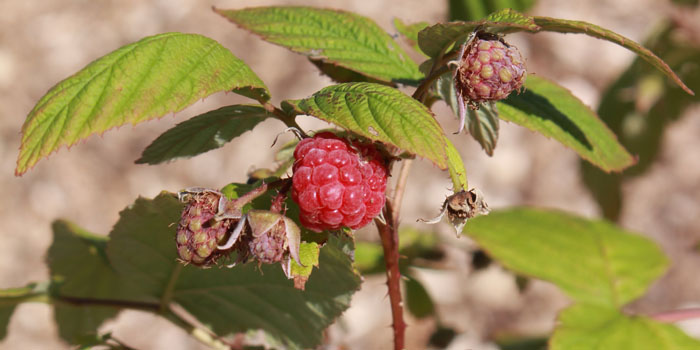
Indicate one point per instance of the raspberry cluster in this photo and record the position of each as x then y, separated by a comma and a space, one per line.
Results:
489, 70
337, 183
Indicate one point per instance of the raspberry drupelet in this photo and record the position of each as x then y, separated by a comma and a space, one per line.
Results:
337, 183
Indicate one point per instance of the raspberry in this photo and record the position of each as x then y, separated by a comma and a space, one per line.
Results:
269, 247
489, 70
336, 183
198, 232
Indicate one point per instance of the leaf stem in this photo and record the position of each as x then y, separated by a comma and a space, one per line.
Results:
289, 120
401, 188
170, 287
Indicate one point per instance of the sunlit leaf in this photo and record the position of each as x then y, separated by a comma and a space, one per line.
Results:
553, 111
138, 82
379, 113
592, 261
638, 107
584, 327
410, 32
332, 36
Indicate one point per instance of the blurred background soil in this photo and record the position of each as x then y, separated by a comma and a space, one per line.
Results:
42, 42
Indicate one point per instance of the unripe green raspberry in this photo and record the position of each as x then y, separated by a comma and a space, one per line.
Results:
489, 70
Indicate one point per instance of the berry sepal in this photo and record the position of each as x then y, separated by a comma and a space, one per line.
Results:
460, 207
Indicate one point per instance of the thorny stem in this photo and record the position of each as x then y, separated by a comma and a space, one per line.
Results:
388, 231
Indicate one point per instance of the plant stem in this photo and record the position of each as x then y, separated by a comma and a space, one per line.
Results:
677, 315
289, 120
388, 231
400, 189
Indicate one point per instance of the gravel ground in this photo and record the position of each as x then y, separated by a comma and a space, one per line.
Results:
44, 42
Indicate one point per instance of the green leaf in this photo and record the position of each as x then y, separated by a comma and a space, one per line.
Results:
80, 270
410, 32
414, 247
473, 10
5, 314
369, 257
590, 260
455, 165
584, 327
343, 75
379, 113
308, 255
638, 107
138, 82
483, 127
341, 38
203, 133
418, 301
553, 111
568, 26
241, 299
437, 39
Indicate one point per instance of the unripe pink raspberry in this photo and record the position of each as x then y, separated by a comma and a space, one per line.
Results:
269, 247
199, 232
336, 183
489, 70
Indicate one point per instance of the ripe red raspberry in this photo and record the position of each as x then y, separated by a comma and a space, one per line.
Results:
489, 70
337, 184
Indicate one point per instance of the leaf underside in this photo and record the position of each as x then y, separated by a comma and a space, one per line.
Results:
203, 133
337, 37
138, 82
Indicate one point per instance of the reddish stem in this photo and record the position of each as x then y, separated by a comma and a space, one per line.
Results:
677, 315
388, 232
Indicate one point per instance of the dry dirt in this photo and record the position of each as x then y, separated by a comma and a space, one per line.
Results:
44, 42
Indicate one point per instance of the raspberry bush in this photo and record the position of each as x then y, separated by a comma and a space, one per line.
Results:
277, 256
